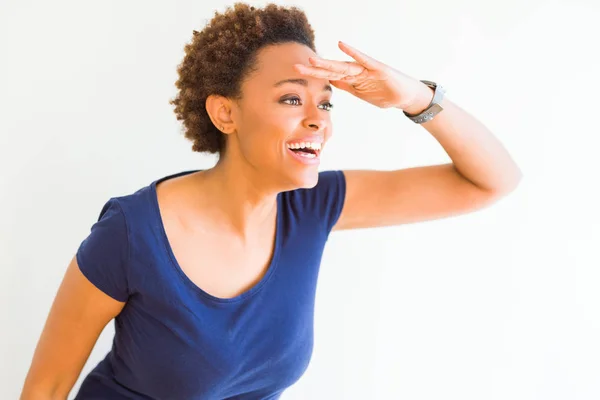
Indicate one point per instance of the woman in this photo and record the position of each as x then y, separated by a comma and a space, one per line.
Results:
211, 274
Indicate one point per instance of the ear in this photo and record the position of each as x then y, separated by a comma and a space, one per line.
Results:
219, 110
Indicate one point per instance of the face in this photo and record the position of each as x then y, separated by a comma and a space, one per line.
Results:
283, 120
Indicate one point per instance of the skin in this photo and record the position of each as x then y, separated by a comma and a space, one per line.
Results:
78, 315
256, 164
231, 208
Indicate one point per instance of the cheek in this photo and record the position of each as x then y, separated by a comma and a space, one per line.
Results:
264, 138
274, 129
328, 131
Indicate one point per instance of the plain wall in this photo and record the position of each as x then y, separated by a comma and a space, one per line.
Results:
499, 304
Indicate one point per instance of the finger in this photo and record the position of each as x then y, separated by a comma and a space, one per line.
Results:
357, 78
361, 57
318, 72
342, 67
343, 86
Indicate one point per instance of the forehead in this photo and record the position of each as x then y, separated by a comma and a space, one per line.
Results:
276, 62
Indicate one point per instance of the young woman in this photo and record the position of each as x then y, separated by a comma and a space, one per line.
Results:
211, 274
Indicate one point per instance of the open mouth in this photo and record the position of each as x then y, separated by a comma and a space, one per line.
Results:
305, 149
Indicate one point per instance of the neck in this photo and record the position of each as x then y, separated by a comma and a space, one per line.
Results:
243, 200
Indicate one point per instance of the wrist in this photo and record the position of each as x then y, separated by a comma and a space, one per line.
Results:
422, 101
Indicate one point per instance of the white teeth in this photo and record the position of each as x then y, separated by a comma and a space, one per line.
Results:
304, 145
307, 155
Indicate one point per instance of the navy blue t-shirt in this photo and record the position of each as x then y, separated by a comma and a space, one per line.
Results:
175, 341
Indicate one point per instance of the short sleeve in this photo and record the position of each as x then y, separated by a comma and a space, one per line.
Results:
327, 198
103, 255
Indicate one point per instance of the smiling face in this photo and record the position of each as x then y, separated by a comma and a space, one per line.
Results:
282, 121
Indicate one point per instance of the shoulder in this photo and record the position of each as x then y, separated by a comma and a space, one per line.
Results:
322, 203
136, 204
142, 199
330, 186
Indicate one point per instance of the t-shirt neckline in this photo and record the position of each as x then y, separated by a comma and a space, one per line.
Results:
169, 250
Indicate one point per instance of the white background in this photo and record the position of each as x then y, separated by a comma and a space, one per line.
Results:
499, 304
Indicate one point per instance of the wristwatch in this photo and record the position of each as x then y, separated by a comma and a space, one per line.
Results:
433, 108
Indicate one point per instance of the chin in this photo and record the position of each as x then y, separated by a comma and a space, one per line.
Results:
301, 167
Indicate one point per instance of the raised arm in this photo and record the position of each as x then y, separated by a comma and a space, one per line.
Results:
481, 171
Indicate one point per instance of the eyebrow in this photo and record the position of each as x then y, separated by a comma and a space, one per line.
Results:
301, 81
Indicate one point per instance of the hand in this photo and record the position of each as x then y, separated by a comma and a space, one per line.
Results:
371, 81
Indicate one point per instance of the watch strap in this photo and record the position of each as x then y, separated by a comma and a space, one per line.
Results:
433, 108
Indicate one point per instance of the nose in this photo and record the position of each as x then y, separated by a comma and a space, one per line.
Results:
315, 121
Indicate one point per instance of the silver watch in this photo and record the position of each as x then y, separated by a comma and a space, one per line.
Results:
433, 108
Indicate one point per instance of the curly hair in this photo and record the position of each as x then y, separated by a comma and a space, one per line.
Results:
219, 57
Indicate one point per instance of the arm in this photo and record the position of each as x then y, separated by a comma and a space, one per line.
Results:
481, 173
78, 315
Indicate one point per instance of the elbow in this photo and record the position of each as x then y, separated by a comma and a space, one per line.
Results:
509, 184
516, 181
498, 192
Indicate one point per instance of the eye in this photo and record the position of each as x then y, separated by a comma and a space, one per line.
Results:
328, 106
295, 101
